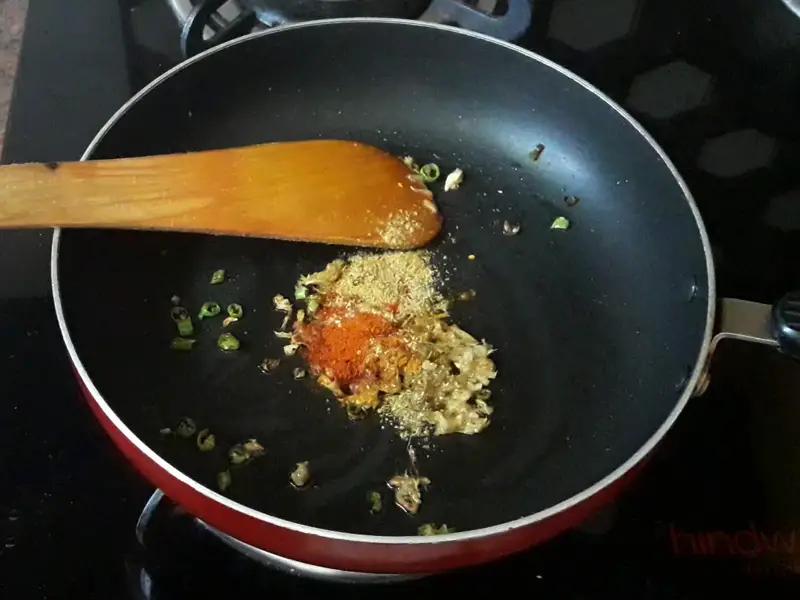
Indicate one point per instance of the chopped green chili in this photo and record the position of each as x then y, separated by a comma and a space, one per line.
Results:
218, 276
429, 172
206, 441
182, 320
560, 223
186, 427
431, 529
181, 343
375, 502
185, 328
228, 342
300, 292
253, 448
235, 311
224, 480
238, 455
209, 309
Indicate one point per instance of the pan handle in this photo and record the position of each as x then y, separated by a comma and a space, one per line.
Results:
193, 40
777, 326
509, 27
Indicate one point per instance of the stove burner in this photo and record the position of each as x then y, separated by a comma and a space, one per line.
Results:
279, 563
793, 5
206, 23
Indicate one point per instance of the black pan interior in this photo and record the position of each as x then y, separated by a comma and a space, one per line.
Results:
596, 327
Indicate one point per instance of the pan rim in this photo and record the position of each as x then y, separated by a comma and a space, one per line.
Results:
475, 534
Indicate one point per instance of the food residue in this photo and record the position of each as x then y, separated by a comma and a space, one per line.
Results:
218, 276
380, 339
536, 153
431, 529
223, 480
268, 365
186, 427
301, 475
454, 180
408, 492
241, 453
400, 229
509, 229
283, 305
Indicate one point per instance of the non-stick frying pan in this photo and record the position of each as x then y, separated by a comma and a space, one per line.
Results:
601, 331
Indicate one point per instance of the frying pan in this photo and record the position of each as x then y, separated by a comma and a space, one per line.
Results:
602, 331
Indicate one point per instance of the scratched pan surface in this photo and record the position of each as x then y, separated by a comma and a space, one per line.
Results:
595, 327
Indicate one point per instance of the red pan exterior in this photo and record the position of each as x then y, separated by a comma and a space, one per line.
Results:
348, 555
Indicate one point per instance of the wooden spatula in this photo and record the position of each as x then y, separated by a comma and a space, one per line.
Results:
318, 191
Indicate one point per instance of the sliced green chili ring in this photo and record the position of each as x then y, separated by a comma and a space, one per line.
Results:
228, 342
235, 310
218, 276
224, 480
206, 441
209, 309
178, 314
238, 455
186, 427
182, 343
429, 172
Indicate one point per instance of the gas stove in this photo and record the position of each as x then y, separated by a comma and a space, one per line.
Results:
205, 23
717, 507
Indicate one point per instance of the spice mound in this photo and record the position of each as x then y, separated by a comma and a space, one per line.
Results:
375, 331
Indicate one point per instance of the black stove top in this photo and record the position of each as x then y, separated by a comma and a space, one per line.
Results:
718, 508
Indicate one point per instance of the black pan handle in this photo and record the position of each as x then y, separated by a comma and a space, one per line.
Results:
785, 324
509, 27
192, 38
777, 326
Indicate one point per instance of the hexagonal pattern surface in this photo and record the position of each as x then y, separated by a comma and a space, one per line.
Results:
783, 211
587, 24
736, 153
669, 89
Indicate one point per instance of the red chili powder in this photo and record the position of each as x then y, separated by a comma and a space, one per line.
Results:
337, 343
